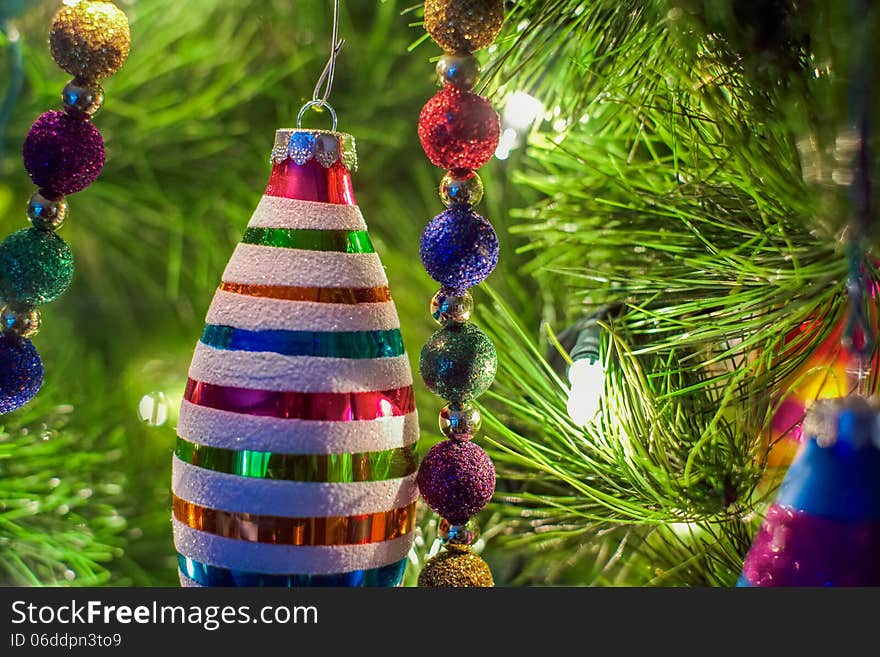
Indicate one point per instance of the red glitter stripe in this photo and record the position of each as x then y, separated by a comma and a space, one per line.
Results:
324, 406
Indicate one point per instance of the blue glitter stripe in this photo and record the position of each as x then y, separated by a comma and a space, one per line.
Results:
207, 575
326, 344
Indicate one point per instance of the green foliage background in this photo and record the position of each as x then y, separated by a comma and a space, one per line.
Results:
684, 173
188, 124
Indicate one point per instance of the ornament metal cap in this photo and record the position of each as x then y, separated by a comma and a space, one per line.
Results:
854, 419
325, 146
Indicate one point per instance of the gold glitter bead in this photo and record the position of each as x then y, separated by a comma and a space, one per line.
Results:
463, 25
90, 40
456, 569
83, 97
458, 538
47, 213
24, 322
461, 190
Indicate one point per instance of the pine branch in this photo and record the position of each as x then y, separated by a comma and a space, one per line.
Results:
677, 190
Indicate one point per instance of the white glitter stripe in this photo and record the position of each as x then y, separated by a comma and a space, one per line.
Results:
254, 264
188, 583
211, 426
279, 212
261, 370
260, 314
290, 499
286, 559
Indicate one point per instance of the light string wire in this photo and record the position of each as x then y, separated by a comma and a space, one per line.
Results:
16, 76
858, 334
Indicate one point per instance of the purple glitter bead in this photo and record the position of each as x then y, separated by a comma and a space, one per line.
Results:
456, 479
459, 248
63, 154
21, 372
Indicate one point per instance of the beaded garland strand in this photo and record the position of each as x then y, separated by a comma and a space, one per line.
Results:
459, 131
63, 154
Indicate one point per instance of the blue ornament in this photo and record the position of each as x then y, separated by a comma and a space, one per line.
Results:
459, 248
823, 529
21, 372
301, 147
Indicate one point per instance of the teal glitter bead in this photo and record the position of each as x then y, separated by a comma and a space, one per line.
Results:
458, 362
36, 266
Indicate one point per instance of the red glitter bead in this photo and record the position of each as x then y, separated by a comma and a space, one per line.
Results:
459, 129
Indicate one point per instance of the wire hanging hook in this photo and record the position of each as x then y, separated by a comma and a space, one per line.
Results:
319, 98
336, 44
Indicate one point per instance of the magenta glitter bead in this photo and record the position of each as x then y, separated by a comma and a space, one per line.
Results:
456, 479
63, 154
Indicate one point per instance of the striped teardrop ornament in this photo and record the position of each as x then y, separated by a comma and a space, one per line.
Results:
295, 460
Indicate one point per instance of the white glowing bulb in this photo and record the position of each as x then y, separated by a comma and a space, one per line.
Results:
506, 143
521, 110
153, 409
587, 378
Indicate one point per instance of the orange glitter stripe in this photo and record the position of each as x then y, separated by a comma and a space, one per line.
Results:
318, 294
279, 530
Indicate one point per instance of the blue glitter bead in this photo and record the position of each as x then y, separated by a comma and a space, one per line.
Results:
459, 248
301, 147
21, 372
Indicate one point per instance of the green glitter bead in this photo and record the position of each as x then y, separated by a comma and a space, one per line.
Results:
458, 362
36, 266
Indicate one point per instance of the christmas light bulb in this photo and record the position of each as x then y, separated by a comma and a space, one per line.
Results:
587, 378
506, 144
521, 110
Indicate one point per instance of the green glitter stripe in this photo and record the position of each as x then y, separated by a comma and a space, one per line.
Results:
347, 241
327, 468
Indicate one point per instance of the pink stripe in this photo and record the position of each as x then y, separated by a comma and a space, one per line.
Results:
311, 182
793, 548
323, 406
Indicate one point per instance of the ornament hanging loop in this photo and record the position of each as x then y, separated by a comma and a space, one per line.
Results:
317, 104
325, 80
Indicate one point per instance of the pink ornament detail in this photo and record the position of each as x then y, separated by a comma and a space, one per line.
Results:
63, 154
457, 479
